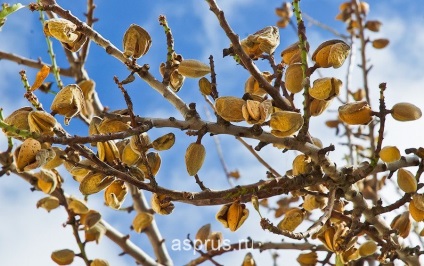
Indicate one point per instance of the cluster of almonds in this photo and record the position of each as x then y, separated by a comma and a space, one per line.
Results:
360, 113
182, 68
348, 16
94, 230
285, 12
333, 236
256, 109
402, 222
330, 53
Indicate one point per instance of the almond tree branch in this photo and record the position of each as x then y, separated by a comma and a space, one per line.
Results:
33, 63
359, 202
262, 189
261, 246
245, 59
129, 247
143, 72
121, 240
259, 158
152, 231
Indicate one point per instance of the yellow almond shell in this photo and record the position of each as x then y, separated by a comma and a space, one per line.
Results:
77, 206
236, 215
109, 125
95, 233
136, 41
141, 221
310, 258
389, 154
248, 260
129, 156
95, 182
416, 214
331, 53
41, 122
402, 224
325, 88
62, 29
193, 68
18, 119
285, 123
406, 112
252, 85
294, 78
205, 86
301, 165
46, 181
230, 108
265, 40
90, 219
99, 262
164, 142
115, 194
48, 203
292, 219
25, 155
317, 107
63, 256
162, 204
418, 200
194, 158
355, 113
368, 248
380, 43
288, 53
154, 161
406, 181
68, 102
214, 241
203, 234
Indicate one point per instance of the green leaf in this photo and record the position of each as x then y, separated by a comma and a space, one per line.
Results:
7, 10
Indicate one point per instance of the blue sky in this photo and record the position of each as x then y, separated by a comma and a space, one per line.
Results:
197, 35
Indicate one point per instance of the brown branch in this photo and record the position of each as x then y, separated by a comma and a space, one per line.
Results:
325, 27
152, 231
32, 63
245, 59
129, 247
90, 21
259, 158
379, 223
170, 48
218, 145
143, 72
68, 140
316, 226
261, 246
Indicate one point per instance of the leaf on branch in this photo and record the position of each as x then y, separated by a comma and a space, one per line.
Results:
7, 10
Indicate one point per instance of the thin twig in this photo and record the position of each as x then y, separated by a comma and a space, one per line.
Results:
245, 59
152, 231
258, 157
325, 27
38, 64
